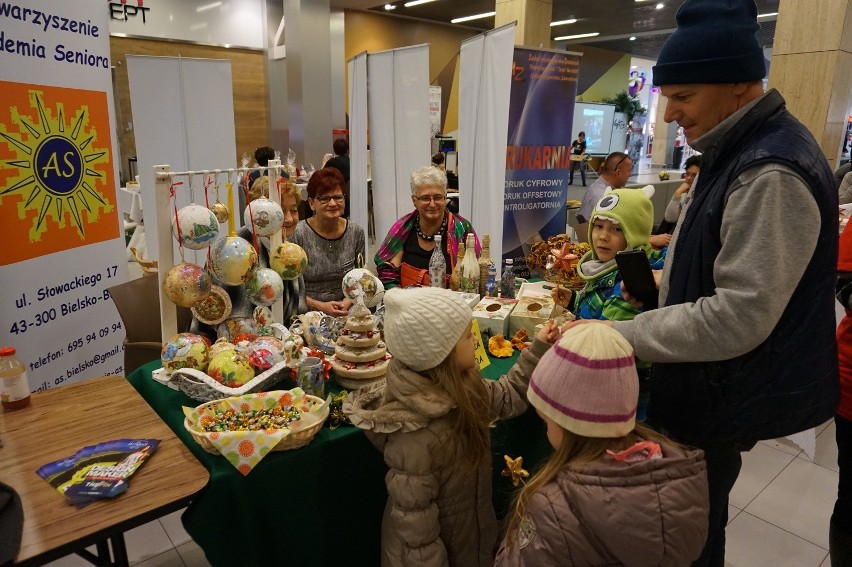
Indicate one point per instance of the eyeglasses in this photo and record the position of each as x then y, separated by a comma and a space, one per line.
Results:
426, 198
324, 199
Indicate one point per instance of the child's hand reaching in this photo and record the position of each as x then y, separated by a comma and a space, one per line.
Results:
562, 295
549, 332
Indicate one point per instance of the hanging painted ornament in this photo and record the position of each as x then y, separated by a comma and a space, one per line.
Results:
233, 260
266, 216
230, 368
362, 283
265, 287
220, 211
186, 284
198, 227
184, 350
214, 308
289, 260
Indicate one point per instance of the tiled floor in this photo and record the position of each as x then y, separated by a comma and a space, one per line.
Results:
779, 514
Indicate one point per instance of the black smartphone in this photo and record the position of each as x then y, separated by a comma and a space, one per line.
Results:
637, 277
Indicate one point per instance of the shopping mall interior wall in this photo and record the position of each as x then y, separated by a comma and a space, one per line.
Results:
603, 73
370, 32
249, 87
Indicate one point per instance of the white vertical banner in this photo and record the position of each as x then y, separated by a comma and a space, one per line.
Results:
357, 67
63, 239
399, 140
171, 99
484, 90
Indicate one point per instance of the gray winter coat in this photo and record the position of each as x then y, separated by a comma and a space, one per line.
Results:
436, 514
643, 514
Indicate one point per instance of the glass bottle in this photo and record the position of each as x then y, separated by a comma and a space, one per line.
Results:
484, 262
507, 283
469, 281
455, 276
491, 282
437, 265
14, 386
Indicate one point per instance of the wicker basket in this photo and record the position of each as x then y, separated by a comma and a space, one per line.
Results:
199, 386
297, 438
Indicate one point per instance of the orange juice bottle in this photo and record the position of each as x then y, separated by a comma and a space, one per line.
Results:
14, 386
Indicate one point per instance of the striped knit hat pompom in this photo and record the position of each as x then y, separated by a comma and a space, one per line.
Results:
587, 383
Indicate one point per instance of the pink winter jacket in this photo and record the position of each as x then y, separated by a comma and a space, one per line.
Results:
436, 515
612, 513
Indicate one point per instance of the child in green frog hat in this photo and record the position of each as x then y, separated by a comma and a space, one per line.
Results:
622, 220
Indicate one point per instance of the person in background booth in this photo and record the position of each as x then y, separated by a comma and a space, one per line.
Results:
340, 162
331, 242
578, 148
403, 257
672, 213
438, 161
743, 343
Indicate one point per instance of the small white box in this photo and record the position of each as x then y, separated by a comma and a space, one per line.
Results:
493, 314
470, 298
529, 312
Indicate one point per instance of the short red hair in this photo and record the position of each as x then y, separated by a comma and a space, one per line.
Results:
325, 180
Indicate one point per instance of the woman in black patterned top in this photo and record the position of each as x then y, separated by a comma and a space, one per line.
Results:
331, 242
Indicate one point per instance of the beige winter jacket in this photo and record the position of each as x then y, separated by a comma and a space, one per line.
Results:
436, 515
644, 514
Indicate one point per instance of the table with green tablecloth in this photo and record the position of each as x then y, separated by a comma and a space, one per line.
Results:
318, 505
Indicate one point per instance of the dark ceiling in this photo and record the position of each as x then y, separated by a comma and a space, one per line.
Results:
615, 20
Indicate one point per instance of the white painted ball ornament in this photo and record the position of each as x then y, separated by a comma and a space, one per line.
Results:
265, 215
198, 225
289, 260
265, 287
233, 260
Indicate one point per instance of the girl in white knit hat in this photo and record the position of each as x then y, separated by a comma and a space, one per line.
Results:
613, 492
432, 419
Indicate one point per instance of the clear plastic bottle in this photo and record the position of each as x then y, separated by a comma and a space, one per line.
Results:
491, 283
14, 386
437, 265
507, 282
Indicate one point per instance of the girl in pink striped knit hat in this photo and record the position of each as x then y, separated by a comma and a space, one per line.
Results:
613, 492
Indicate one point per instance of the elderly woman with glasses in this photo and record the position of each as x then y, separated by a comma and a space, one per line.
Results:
331, 242
403, 257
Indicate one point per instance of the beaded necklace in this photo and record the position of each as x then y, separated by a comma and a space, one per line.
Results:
429, 238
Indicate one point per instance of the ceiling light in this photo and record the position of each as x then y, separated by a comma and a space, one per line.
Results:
563, 22
390, 7
766, 15
208, 7
474, 17
632, 38
578, 36
417, 2
660, 6
633, 66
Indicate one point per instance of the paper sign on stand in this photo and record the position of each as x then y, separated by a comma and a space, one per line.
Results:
479, 349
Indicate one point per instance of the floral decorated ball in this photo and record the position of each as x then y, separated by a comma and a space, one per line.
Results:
262, 359
265, 287
186, 284
221, 345
270, 343
231, 369
198, 226
184, 350
233, 260
362, 282
266, 216
289, 260
214, 308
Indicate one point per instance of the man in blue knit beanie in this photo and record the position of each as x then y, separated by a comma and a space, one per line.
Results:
743, 342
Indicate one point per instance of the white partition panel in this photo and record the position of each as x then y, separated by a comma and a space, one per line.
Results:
398, 92
183, 113
486, 79
358, 142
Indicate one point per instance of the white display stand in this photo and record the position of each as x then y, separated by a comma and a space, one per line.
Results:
164, 177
